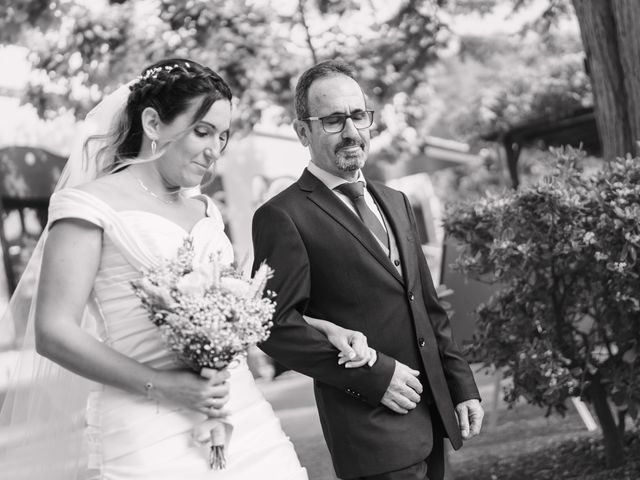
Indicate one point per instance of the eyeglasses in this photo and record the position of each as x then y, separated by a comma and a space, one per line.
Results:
335, 123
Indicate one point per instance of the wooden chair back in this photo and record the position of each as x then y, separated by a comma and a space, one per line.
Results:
28, 176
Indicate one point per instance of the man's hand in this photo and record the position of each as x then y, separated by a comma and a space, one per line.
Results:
403, 392
470, 414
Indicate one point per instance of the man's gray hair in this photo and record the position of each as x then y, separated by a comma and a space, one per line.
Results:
324, 69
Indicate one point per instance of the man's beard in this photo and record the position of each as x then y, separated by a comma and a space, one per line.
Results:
350, 161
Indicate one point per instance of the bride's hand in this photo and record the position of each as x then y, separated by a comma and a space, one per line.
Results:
354, 349
206, 393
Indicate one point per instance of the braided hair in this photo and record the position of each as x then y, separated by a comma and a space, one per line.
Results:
169, 87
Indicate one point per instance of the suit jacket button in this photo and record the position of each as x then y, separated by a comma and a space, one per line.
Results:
411, 296
421, 342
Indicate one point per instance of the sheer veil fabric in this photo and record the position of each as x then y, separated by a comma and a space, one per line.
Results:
42, 418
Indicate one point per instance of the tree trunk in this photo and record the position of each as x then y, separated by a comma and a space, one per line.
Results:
627, 17
613, 446
611, 39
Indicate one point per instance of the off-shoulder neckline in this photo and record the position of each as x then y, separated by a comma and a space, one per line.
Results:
209, 213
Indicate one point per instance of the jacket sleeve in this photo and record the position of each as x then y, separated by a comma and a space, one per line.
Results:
293, 342
462, 385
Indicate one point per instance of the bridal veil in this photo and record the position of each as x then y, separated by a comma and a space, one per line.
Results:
42, 417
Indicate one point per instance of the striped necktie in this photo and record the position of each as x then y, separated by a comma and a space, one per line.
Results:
355, 192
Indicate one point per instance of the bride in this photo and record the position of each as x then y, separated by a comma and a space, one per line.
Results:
106, 398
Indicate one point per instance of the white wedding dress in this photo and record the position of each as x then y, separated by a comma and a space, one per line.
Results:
130, 437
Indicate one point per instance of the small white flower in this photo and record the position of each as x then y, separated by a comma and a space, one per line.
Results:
157, 295
211, 321
589, 238
194, 283
632, 238
236, 286
619, 266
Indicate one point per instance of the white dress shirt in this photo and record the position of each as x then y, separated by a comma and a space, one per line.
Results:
332, 181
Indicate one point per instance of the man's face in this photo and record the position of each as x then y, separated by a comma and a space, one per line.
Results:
340, 153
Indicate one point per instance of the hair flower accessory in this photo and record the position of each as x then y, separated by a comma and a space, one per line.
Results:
153, 72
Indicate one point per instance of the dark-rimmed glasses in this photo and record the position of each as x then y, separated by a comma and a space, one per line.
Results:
335, 123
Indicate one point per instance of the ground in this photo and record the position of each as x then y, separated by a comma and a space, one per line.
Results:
526, 445
518, 443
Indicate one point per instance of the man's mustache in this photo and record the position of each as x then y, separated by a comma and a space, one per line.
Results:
347, 142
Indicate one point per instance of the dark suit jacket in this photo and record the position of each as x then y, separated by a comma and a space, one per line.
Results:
328, 265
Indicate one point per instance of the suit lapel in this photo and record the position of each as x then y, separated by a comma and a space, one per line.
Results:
326, 200
396, 214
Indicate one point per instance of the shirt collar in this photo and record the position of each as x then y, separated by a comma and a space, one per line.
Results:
329, 179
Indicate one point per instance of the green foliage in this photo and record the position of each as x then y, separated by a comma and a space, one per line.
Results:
565, 251
529, 91
82, 50
469, 6
553, 11
76, 56
469, 182
391, 52
15, 15
394, 59
503, 79
337, 6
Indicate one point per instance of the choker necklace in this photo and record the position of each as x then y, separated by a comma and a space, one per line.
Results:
153, 194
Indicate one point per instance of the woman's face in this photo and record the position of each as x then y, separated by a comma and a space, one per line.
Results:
193, 149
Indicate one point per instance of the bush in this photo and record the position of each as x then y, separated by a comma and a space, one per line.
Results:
565, 249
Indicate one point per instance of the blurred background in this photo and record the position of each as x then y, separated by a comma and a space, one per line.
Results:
468, 96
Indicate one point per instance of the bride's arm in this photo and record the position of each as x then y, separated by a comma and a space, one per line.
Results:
70, 264
354, 349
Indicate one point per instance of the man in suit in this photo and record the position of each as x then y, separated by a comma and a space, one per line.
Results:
332, 261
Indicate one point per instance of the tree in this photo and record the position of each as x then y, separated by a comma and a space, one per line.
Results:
80, 52
610, 34
565, 321
392, 51
548, 82
611, 37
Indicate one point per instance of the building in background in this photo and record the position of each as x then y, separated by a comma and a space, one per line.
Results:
270, 159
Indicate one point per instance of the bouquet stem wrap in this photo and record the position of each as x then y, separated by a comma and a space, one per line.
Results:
217, 460
216, 432
209, 315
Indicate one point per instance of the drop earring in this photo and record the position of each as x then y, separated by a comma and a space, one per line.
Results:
154, 145
210, 174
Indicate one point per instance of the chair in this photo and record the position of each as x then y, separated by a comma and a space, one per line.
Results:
28, 176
